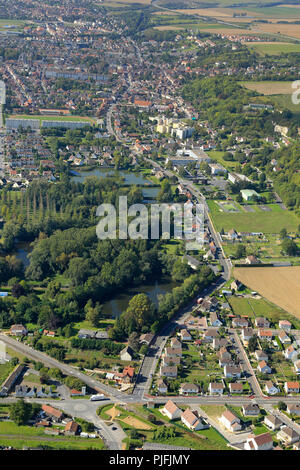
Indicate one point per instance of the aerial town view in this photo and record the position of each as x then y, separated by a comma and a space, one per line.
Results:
149, 227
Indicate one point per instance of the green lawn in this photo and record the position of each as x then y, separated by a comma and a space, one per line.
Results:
5, 370
218, 156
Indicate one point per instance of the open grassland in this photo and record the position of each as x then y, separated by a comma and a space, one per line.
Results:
21, 436
285, 102
270, 88
278, 285
273, 48
265, 222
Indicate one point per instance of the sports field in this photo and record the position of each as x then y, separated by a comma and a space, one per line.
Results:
52, 118
279, 285
259, 221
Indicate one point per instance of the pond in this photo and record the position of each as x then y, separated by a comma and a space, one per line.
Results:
149, 189
21, 251
118, 305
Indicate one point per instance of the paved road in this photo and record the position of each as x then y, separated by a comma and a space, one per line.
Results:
87, 410
251, 377
66, 369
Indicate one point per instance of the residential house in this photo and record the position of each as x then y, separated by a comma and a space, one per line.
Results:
290, 353
224, 357
260, 442
185, 335
232, 235
284, 338
232, 371
261, 355
219, 343
193, 421
18, 330
271, 389
250, 409
172, 352
215, 388
264, 368
72, 428
230, 421
161, 386
239, 322
236, 285
146, 338
293, 408
291, 387
78, 393
175, 343
251, 259
128, 374
246, 334
126, 354
188, 389
287, 435
285, 325
209, 335
171, 410
272, 422
53, 413
235, 387
261, 322
214, 320
266, 335
168, 371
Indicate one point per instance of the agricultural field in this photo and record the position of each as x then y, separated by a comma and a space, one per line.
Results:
273, 48
279, 285
214, 28
289, 30
270, 88
258, 221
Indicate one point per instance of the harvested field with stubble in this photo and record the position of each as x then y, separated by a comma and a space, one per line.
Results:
289, 30
269, 88
281, 286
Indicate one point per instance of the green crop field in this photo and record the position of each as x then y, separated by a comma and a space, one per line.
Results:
274, 48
